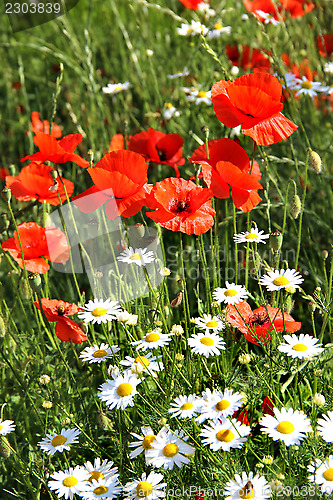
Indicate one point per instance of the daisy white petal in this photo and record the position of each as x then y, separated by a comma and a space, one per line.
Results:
100, 488
217, 405
119, 392
138, 256
114, 88
253, 236
59, 442
143, 364
325, 427
169, 449
225, 434
195, 28
247, 486
210, 323
276, 280
287, 425
218, 30
143, 444
206, 344
322, 474
231, 294
69, 482
302, 346
185, 406
99, 311
101, 470
146, 487
6, 426
153, 340
97, 354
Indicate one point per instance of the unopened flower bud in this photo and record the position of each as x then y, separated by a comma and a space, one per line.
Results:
104, 422
5, 221
318, 399
165, 271
137, 368
54, 174
275, 485
244, 358
295, 207
276, 240
312, 307
179, 357
113, 370
177, 330
315, 161
6, 194
267, 460
3, 327
44, 379
47, 404
83, 326
324, 254
5, 450
35, 281
162, 421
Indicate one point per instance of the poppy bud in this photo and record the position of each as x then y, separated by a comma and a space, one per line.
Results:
295, 207
312, 307
5, 450
140, 229
104, 422
315, 161
35, 282
276, 240
3, 327
25, 289
53, 174
324, 254
5, 221
6, 194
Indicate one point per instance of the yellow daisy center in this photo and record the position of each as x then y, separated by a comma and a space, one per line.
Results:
136, 256
206, 341
95, 474
99, 311
218, 26
246, 494
306, 85
152, 337
251, 236
285, 427
168, 105
230, 293
328, 474
100, 353
144, 489
170, 450
100, 490
186, 406
70, 481
142, 360
281, 281
222, 405
146, 443
58, 440
225, 435
1, 427
299, 347
212, 324
202, 93
124, 389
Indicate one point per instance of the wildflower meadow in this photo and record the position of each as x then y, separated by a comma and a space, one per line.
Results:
166, 258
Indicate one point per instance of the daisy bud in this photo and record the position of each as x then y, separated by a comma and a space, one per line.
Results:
244, 358
280, 476
47, 404
104, 422
311, 307
276, 240
35, 282
275, 485
234, 70
54, 174
259, 465
215, 304
179, 357
137, 368
113, 370
162, 421
6, 194
318, 399
123, 316
5, 449
177, 330
315, 161
318, 372
149, 53
267, 460
44, 379
3, 327
295, 207
324, 254
132, 320
165, 271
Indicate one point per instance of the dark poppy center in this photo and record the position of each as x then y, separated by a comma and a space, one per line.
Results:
61, 310
259, 319
162, 154
180, 206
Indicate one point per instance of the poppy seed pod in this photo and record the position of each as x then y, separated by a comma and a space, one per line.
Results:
315, 161
275, 240
296, 206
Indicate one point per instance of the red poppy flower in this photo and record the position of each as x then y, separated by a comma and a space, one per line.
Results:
242, 417
58, 310
296, 8
256, 325
181, 206
191, 4
229, 166
120, 176
35, 182
325, 44
163, 149
38, 125
117, 142
248, 58
267, 406
3, 173
57, 151
38, 244
254, 101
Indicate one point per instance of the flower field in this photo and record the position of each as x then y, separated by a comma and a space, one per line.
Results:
166, 256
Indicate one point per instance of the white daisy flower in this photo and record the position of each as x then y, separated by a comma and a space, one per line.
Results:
101, 488
307, 87
114, 88
217, 405
322, 474
119, 392
266, 18
276, 280
185, 72
231, 294
143, 364
169, 111
97, 354
325, 427
247, 486
218, 30
101, 470
139, 256
225, 435
195, 28
143, 444
185, 406
288, 425
169, 449
328, 67
127, 318
59, 442
302, 346
99, 311
153, 340
199, 96
6, 426
68, 482
206, 344
210, 323
204, 8
254, 235
146, 487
